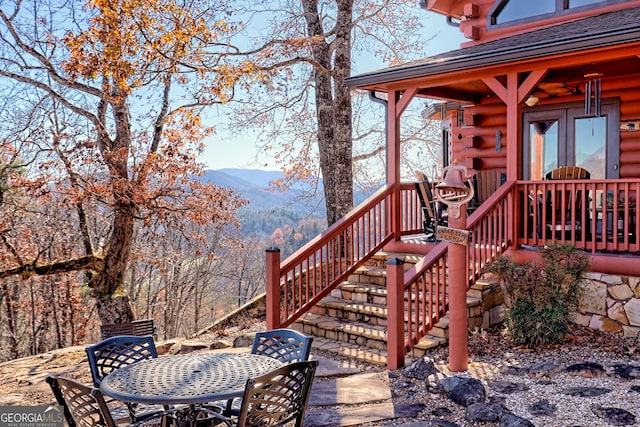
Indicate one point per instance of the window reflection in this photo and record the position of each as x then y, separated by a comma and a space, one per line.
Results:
590, 151
543, 137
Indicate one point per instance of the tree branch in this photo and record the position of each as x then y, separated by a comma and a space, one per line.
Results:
87, 262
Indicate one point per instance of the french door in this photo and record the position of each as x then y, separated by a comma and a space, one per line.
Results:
562, 135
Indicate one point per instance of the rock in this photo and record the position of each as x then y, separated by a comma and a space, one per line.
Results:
484, 412
587, 369
585, 391
614, 416
544, 369
243, 341
190, 346
165, 346
628, 372
510, 420
446, 384
442, 411
220, 344
507, 387
518, 371
542, 408
441, 423
468, 392
421, 369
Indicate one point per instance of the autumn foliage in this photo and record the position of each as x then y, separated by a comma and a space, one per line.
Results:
98, 157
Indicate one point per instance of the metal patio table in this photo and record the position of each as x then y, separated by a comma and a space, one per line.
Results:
186, 379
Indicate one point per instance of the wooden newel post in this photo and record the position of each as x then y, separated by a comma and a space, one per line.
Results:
458, 319
273, 288
455, 191
395, 313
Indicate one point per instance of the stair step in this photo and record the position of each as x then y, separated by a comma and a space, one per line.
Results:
351, 351
350, 310
345, 332
361, 292
370, 355
382, 257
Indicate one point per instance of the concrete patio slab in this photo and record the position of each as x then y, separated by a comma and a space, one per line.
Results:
354, 389
334, 368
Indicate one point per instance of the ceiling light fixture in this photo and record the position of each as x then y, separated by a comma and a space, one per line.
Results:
532, 100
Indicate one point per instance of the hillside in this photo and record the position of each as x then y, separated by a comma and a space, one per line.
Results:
253, 185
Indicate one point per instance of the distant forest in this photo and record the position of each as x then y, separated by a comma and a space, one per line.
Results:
285, 229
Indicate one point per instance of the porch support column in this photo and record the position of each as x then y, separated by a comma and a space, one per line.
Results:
513, 96
395, 314
398, 102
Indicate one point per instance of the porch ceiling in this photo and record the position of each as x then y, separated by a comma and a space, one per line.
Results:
607, 43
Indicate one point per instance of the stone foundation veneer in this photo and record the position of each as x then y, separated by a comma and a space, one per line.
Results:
610, 303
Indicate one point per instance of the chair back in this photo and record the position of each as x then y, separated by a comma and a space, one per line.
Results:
568, 172
285, 345
116, 352
279, 397
84, 406
486, 182
567, 202
425, 195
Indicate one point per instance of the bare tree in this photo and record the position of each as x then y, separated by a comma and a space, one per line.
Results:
113, 94
305, 50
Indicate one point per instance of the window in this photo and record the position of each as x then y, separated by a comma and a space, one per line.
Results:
508, 11
564, 136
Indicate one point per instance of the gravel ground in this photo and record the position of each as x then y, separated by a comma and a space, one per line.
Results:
490, 356
22, 381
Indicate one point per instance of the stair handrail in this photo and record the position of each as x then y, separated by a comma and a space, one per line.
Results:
491, 228
425, 284
314, 270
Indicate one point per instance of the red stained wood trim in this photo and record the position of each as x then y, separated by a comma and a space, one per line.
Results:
496, 87
530, 83
405, 99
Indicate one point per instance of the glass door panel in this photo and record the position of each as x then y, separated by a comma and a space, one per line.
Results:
591, 145
543, 137
562, 136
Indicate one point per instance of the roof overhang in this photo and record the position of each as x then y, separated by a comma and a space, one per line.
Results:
455, 75
451, 8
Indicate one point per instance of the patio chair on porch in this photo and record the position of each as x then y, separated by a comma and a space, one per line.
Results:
566, 203
285, 345
277, 398
432, 214
485, 183
83, 406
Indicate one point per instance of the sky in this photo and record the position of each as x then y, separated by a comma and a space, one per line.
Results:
239, 150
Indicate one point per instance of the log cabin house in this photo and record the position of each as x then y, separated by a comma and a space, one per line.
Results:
536, 86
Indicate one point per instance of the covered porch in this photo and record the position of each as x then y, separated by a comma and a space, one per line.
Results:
528, 104
524, 106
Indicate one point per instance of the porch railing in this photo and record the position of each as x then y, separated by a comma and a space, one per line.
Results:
594, 215
314, 270
425, 286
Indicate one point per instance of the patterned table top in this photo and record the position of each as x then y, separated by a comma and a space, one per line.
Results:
186, 378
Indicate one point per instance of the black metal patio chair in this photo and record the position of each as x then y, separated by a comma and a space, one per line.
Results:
276, 398
116, 352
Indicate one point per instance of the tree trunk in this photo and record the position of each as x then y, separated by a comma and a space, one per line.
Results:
112, 305
333, 114
114, 308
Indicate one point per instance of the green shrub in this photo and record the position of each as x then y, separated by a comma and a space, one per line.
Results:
542, 294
